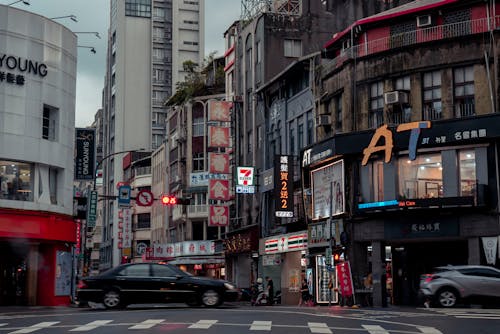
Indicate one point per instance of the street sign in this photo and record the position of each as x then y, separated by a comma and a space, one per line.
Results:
144, 198
328, 256
124, 196
92, 213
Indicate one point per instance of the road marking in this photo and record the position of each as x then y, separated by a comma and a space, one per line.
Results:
91, 325
3, 325
34, 328
375, 329
479, 316
147, 324
203, 324
261, 325
319, 327
429, 330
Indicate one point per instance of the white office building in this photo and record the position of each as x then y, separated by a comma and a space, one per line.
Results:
149, 40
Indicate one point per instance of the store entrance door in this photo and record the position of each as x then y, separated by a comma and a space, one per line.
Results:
13, 274
411, 260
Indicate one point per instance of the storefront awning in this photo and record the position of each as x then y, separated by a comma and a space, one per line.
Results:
198, 260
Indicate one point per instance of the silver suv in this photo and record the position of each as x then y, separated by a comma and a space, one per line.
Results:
447, 285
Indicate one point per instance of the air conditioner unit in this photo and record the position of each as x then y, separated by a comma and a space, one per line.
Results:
396, 97
424, 21
324, 120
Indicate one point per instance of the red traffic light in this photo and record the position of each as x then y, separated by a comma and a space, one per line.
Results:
168, 200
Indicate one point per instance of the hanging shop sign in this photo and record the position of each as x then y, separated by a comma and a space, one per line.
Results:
285, 243
245, 180
241, 242
283, 174
218, 163
344, 276
218, 190
319, 233
219, 111
85, 154
219, 215
328, 190
218, 136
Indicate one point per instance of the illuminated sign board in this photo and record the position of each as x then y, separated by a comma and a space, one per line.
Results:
283, 174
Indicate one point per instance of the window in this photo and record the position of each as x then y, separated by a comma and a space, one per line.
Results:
159, 12
292, 47
198, 230
190, 22
467, 167
138, 270
300, 135
144, 220
198, 127
432, 96
162, 271
49, 123
376, 104
338, 113
158, 75
158, 33
464, 91
292, 141
198, 162
158, 54
138, 8
258, 52
310, 134
16, 181
401, 112
53, 185
422, 177
156, 141
190, 43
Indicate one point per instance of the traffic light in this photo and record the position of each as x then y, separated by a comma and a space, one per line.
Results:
168, 200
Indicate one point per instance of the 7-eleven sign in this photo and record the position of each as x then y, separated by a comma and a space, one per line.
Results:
245, 176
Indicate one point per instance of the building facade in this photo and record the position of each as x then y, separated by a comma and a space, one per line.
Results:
148, 42
408, 102
37, 113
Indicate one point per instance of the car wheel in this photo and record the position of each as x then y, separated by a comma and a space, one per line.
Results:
447, 297
210, 298
193, 302
112, 299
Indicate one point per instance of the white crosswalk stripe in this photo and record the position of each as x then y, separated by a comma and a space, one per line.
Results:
429, 330
472, 314
319, 327
147, 324
34, 328
375, 329
91, 325
3, 325
203, 324
261, 325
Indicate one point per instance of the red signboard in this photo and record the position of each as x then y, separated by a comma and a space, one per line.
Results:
219, 163
218, 189
346, 288
218, 136
219, 216
219, 111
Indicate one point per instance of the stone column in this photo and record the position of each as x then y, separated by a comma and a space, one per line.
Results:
378, 269
474, 251
32, 275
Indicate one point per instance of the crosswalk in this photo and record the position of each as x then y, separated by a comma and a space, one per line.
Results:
256, 325
485, 314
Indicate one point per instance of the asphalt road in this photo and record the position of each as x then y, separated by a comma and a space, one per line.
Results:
240, 319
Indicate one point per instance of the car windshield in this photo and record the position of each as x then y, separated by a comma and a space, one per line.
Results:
180, 271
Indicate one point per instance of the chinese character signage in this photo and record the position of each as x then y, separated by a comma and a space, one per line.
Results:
219, 215
219, 111
344, 279
283, 175
218, 136
328, 182
218, 190
218, 163
199, 179
185, 248
9, 65
84, 154
126, 228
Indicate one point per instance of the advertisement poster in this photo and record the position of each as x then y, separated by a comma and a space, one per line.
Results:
325, 181
294, 280
63, 274
323, 275
310, 280
84, 154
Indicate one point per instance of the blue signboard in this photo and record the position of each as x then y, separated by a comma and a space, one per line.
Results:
124, 196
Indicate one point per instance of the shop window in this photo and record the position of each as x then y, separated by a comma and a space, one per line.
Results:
467, 166
16, 181
422, 177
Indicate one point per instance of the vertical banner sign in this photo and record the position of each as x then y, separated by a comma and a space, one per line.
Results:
92, 212
84, 154
219, 216
218, 163
218, 136
490, 249
218, 189
344, 276
219, 111
283, 174
127, 228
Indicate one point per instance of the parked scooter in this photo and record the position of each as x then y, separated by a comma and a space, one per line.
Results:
259, 297
277, 297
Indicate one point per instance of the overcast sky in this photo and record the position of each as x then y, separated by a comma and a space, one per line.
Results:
93, 15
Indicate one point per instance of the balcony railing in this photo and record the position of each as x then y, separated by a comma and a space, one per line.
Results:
376, 119
465, 110
142, 171
435, 33
197, 210
400, 116
432, 114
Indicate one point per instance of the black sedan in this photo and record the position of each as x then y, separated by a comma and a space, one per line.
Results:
151, 283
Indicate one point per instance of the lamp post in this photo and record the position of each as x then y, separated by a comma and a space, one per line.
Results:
71, 17
26, 2
88, 32
92, 49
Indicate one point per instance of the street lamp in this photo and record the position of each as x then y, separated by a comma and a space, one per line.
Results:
99, 163
26, 2
92, 49
71, 17
88, 32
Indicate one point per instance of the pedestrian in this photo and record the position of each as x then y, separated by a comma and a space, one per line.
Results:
270, 289
305, 297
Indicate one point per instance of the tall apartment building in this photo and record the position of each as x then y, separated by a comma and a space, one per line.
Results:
148, 41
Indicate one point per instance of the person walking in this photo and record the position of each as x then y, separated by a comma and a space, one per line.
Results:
270, 289
305, 297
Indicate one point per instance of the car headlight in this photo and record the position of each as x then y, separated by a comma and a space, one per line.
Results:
229, 286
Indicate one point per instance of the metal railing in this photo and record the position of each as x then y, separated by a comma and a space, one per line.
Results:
201, 209
465, 110
399, 116
142, 171
432, 114
376, 119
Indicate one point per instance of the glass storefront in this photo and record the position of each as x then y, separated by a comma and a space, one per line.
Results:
16, 181
422, 177
467, 163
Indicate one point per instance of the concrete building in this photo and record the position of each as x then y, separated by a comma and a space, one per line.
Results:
148, 42
424, 197
37, 127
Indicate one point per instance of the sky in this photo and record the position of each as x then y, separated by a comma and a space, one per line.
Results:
93, 16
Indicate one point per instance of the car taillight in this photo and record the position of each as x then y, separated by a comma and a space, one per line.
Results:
82, 284
429, 277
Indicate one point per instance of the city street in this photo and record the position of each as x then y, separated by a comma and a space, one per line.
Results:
236, 318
